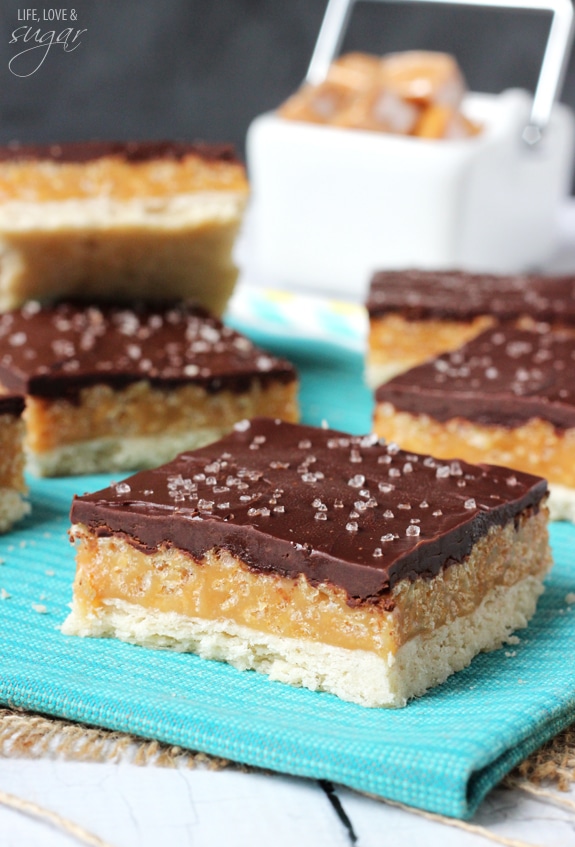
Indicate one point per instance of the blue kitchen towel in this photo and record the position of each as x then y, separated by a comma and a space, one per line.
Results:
443, 752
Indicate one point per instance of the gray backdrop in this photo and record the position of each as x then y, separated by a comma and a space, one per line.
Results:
199, 69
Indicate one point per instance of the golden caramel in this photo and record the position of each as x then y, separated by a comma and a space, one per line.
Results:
393, 338
11, 453
535, 447
221, 587
140, 410
114, 178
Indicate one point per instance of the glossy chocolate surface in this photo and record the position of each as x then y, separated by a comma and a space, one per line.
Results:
462, 296
290, 500
55, 351
131, 151
505, 376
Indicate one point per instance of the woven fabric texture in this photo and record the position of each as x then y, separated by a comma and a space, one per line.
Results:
443, 752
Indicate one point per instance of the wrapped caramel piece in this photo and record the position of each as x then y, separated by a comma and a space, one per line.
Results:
413, 93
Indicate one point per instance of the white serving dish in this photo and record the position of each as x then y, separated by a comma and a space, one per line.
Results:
330, 206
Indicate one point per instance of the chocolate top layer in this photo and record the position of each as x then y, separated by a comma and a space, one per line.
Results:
504, 376
130, 151
463, 296
292, 500
55, 351
11, 404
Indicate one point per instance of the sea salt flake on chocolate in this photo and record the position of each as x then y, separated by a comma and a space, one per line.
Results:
31, 308
312, 477
122, 488
356, 481
412, 530
264, 363
320, 516
470, 503
388, 514
242, 426
385, 487
442, 472
351, 526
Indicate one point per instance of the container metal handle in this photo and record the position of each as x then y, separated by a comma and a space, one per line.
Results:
553, 66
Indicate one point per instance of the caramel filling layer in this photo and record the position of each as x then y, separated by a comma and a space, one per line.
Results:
140, 410
115, 178
392, 338
12, 453
535, 447
220, 587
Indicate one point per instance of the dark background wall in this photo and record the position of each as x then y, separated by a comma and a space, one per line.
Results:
199, 69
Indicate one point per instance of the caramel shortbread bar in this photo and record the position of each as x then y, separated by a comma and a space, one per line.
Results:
416, 315
155, 220
13, 504
507, 397
116, 387
322, 559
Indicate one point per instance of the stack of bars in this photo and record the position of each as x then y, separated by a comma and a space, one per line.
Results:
481, 369
115, 263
